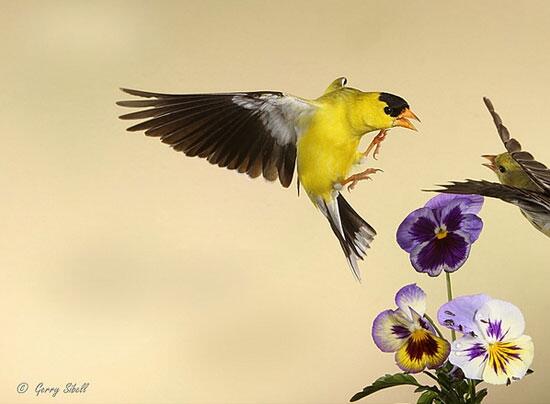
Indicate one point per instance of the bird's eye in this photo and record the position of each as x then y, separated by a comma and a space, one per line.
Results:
388, 110
501, 169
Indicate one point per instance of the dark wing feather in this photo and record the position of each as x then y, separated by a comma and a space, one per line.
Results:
511, 144
531, 201
536, 170
253, 133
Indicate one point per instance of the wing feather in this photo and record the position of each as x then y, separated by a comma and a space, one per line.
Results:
530, 201
254, 133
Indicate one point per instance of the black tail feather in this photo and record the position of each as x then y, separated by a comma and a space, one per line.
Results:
352, 231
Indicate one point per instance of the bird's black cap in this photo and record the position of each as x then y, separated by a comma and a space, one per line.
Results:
396, 105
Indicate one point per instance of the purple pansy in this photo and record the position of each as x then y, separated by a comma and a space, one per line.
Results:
439, 235
407, 332
493, 347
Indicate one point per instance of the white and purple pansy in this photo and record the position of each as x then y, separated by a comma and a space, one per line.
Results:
439, 235
493, 348
406, 332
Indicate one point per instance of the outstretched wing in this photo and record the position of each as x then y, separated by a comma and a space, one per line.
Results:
530, 201
537, 171
253, 133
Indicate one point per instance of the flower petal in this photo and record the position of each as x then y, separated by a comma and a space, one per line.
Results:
469, 354
454, 218
436, 255
419, 226
458, 314
390, 330
471, 225
451, 215
470, 203
411, 297
509, 360
498, 320
518, 368
422, 349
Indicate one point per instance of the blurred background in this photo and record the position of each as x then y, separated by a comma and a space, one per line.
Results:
162, 279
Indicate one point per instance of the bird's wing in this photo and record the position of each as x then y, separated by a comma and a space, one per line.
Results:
254, 133
536, 170
530, 201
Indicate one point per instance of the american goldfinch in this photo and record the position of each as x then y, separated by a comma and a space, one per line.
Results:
524, 181
269, 133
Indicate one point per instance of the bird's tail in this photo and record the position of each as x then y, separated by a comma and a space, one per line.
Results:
354, 233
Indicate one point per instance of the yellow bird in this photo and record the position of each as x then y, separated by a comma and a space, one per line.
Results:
269, 133
524, 181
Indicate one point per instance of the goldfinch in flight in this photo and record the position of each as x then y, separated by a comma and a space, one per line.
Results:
524, 181
271, 133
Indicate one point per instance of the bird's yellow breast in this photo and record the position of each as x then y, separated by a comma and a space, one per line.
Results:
327, 151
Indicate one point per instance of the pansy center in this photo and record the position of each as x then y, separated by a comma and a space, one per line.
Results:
441, 232
501, 353
421, 343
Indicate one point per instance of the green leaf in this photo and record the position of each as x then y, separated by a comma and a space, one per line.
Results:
444, 379
450, 397
385, 382
462, 387
480, 395
427, 397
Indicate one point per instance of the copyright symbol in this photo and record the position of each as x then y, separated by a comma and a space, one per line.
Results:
22, 388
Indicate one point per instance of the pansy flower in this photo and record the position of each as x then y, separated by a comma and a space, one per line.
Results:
493, 348
439, 235
406, 332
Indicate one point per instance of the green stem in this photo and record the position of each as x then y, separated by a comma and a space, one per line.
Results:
449, 298
434, 326
430, 375
472, 391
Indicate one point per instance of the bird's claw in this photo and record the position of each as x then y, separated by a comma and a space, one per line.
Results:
376, 144
355, 178
376, 151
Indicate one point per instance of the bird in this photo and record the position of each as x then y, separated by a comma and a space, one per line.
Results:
274, 134
524, 181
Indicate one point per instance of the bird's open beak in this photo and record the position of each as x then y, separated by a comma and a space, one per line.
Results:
492, 165
403, 119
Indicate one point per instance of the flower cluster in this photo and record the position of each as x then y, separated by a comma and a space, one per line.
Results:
492, 348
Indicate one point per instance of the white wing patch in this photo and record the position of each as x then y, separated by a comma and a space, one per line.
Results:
284, 117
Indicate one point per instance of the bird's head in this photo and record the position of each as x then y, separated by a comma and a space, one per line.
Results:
508, 171
385, 111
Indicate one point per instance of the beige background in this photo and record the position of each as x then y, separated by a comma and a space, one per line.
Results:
162, 279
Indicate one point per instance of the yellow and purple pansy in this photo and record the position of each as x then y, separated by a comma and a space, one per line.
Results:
493, 348
407, 332
438, 236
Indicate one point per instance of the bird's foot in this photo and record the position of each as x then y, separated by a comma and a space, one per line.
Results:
375, 144
355, 178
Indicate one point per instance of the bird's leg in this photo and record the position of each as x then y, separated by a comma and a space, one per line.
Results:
378, 139
355, 178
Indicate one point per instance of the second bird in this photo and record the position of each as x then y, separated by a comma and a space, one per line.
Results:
524, 181
271, 133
